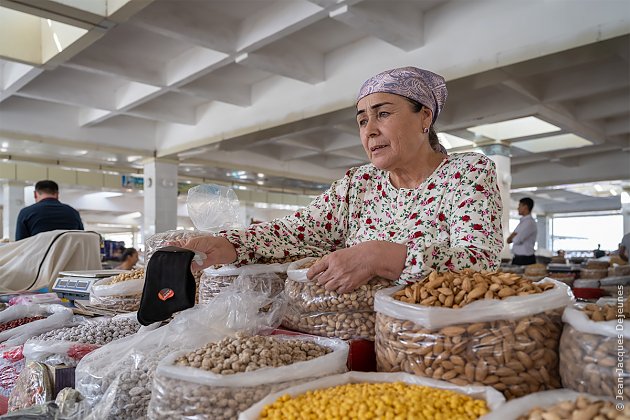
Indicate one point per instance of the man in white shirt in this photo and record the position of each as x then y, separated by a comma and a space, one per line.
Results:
524, 236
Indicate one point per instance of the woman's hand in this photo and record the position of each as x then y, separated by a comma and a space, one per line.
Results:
347, 269
218, 250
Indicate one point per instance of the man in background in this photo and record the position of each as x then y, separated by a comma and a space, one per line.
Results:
47, 214
624, 247
524, 236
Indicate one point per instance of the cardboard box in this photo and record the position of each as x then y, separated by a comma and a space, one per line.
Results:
62, 377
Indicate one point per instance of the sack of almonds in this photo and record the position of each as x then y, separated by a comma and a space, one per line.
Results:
315, 310
222, 379
162, 239
560, 404
478, 328
121, 293
595, 350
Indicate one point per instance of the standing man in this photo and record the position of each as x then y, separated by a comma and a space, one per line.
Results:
524, 236
48, 213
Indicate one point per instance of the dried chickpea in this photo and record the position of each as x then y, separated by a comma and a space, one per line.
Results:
376, 400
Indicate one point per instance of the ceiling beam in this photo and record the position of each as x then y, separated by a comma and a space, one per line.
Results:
216, 89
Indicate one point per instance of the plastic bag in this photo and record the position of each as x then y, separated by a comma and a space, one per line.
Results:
213, 207
314, 310
116, 379
160, 240
11, 364
67, 406
33, 386
509, 344
592, 359
56, 316
123, 297
493, 398
29, 299
512, 410
213, 280
183, 391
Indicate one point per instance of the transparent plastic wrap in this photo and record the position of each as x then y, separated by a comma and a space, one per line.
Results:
11, 364
213, 280
619, 270
213, 207
33, 387
561, 402
344, 325
160, 240
492, 398
595, 355
509, 344
122, 296
188, 392
55, 316
69, 345
67, 406
116, 379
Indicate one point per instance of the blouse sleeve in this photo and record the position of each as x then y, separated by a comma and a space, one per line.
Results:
317, 229
475, 233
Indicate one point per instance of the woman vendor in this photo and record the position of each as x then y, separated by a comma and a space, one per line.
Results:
412, 210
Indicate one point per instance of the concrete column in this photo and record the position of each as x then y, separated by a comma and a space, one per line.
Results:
500, 155
160, 196
542, 237
13, 194
625, 211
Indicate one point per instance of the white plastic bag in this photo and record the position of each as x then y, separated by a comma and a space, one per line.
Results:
595, 356
213, 207
109, 376
512, 410
493, 398
183, 391
509, 344
56, 316
122, 296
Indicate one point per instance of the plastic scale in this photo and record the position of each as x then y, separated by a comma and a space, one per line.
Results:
76, 285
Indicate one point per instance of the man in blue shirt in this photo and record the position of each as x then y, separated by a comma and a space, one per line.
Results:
47, 213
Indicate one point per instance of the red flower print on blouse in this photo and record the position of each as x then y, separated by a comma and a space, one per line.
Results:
276, 227
414, 216
328, 226
301, 236
479, 187
441, 217
458, 175
366, 176
417, 234
476, 226
301, 228
473, 259
414, 261
329, 216
379, 187
391, 234
368, 221
465, 218
431, 186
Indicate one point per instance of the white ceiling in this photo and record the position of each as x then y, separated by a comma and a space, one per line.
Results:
267, 86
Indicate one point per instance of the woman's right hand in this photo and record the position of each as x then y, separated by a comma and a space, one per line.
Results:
218, 250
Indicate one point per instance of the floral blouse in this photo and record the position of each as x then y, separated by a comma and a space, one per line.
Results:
451, 221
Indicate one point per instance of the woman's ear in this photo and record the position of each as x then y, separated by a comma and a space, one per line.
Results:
427, 117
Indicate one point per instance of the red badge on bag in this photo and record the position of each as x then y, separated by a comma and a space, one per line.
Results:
165, 294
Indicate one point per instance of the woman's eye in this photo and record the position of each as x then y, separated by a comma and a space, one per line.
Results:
383, 114
362, 123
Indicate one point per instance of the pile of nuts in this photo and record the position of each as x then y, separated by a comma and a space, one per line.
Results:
17, 322
456, 290
131, 275
517, 357
580, 409
100, 332
599, 313
343, 325
174, 398
245, 354
124, 303
211, 285
589, 362
159, 240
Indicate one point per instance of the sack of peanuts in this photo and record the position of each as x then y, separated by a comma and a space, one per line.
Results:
121, 293
314, 310
377, 395
20, 322
494, 329
595, 350
222, 379
561, 404
162, 239
117, 378
265, 276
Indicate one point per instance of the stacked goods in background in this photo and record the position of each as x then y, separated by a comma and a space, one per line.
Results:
495, 329
314, 310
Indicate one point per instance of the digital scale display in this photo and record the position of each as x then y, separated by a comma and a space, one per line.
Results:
74, 285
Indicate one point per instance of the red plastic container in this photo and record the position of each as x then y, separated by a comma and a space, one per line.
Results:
588, 293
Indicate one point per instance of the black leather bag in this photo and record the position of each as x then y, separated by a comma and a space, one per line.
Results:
169, 285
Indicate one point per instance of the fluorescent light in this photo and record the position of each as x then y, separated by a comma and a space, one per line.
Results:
260, 175
133, 158
613, 192
548, 144
625, 198
511, 129
104, 194
450, 141
57, 43
598, 188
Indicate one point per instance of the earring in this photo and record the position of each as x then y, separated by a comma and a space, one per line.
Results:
425, 130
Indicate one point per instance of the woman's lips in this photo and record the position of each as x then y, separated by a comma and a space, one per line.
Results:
377, 149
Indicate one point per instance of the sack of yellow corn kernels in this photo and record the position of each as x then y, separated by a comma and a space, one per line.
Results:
494, 329
561, 404
595, 350
312, 309
370, 395
222, 379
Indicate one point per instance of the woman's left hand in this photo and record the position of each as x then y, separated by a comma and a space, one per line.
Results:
347, 269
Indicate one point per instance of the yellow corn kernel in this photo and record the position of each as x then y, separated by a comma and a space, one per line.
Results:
377, 400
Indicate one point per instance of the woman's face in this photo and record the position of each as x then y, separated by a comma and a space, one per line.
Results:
134, 258
391, 133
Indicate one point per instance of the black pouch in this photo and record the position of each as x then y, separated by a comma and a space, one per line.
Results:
169, 285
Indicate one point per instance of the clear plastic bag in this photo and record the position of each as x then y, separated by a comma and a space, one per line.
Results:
509, 344
213, 207
11, 364
33, 387
513, 410
160, 240
56, 316
344, 325
592, 359
493, 398
183, 391
67, 406
116, 379
213, 280
123, 297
